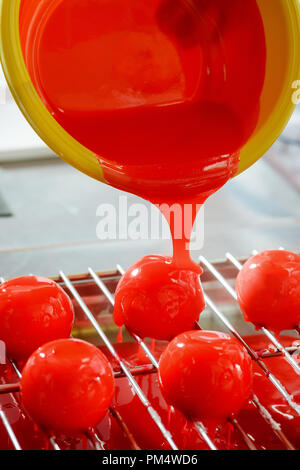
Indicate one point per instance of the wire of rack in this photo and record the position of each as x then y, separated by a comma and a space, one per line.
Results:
131, 372
258, 359
280, 387
288, 357
199, 426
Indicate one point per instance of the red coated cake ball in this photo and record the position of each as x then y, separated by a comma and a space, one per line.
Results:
155, 299
205, 374
67, 385
268, 290
33, 311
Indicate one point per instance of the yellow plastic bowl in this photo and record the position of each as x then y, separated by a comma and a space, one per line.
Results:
281, 20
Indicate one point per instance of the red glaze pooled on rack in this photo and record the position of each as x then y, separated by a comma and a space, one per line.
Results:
275, 409
143, 433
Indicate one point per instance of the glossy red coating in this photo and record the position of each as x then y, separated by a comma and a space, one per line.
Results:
144, 430
268, 290
206, 374
164, 92
156, 299
33, 311
67, 385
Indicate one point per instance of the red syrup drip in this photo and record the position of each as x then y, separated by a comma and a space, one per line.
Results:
120, 335
229, 434
185, 431
46, 447
170, 411
84, 441
142, 357
35, 427
181, 217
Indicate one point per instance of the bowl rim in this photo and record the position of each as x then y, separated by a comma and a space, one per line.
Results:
30, 103
264, 138
86, 161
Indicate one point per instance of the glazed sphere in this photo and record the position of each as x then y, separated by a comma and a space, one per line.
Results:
67, 385
157, 300
268, 290
205, 374
33, 311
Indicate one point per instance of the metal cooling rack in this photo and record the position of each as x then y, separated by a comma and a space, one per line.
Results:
213, 272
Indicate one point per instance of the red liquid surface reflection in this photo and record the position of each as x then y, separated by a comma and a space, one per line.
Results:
143, 433
165, 92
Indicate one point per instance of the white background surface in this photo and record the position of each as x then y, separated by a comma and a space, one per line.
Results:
18, 140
